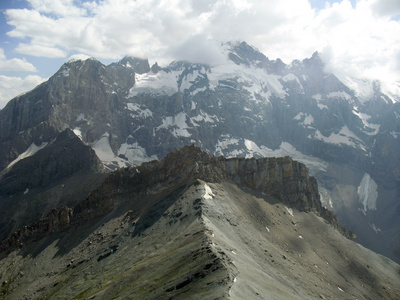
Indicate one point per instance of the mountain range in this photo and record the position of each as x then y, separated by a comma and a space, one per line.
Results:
62, 141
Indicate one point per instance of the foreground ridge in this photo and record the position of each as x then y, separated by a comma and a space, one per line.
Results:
282, 178
196, 226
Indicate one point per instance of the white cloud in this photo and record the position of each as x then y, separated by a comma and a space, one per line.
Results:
14, 64
356, 42
360, 40
389, 8
40, 50
11, 87
57, 7
198, 49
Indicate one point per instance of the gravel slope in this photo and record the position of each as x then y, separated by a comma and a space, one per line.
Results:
199, 241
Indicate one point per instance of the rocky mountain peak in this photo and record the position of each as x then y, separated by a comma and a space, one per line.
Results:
314, 59
61, 158
139, 65
155, 68
243, 53
77, 66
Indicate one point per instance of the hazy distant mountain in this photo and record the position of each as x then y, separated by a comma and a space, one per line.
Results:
130, 112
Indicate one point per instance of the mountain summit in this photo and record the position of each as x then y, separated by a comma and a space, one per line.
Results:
131, 112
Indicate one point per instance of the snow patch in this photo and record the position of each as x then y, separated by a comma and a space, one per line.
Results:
177, 124
253, 148
198, 90
364, 118
286, 149
80, 117
255, 80
318, 98
104, 152
326, 199
367, 193
78, 132
135, 153
226, 142
363, 87
208, 194
290, 211
188, 80
65, 72
306, 119
344, 136
203, 117
78, 57
292, 77
164, 83
394, 134
375, 228
26, 191
142, 113
32, 149
342, 95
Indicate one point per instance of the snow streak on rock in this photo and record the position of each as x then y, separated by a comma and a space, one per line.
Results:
368, 193
28, 152
105, 153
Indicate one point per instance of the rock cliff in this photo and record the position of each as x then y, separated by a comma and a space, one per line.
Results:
282, 178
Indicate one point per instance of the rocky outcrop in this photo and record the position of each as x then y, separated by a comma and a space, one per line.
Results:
282, 178
54, 221
62, 158
60, 173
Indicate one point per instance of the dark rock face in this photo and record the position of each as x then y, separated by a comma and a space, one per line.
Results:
65, 156
59, 173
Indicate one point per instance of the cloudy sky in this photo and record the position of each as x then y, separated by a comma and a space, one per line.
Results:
355, 38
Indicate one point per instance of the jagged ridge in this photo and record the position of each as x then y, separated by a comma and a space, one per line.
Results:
282, 178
